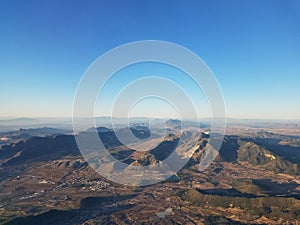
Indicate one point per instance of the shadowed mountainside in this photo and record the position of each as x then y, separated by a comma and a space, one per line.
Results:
265, 152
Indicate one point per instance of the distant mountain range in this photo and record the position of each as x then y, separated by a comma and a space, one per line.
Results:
15, 136
7, 124
268, 152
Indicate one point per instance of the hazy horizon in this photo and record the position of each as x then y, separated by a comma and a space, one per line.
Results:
143, 117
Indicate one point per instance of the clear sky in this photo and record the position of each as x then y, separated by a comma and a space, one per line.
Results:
253, 48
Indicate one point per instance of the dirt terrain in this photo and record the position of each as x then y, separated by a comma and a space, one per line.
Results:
254, 180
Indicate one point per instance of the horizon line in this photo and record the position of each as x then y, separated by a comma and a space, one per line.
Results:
144, 117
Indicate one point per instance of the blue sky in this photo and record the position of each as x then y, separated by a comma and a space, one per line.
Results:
253, 48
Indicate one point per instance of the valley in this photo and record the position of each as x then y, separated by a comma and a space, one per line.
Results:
255, 179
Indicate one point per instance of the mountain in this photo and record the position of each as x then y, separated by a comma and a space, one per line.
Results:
173, 123
38, 149
254, 180
15, 136
34, 132
234, 149
239, 149
99, 129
